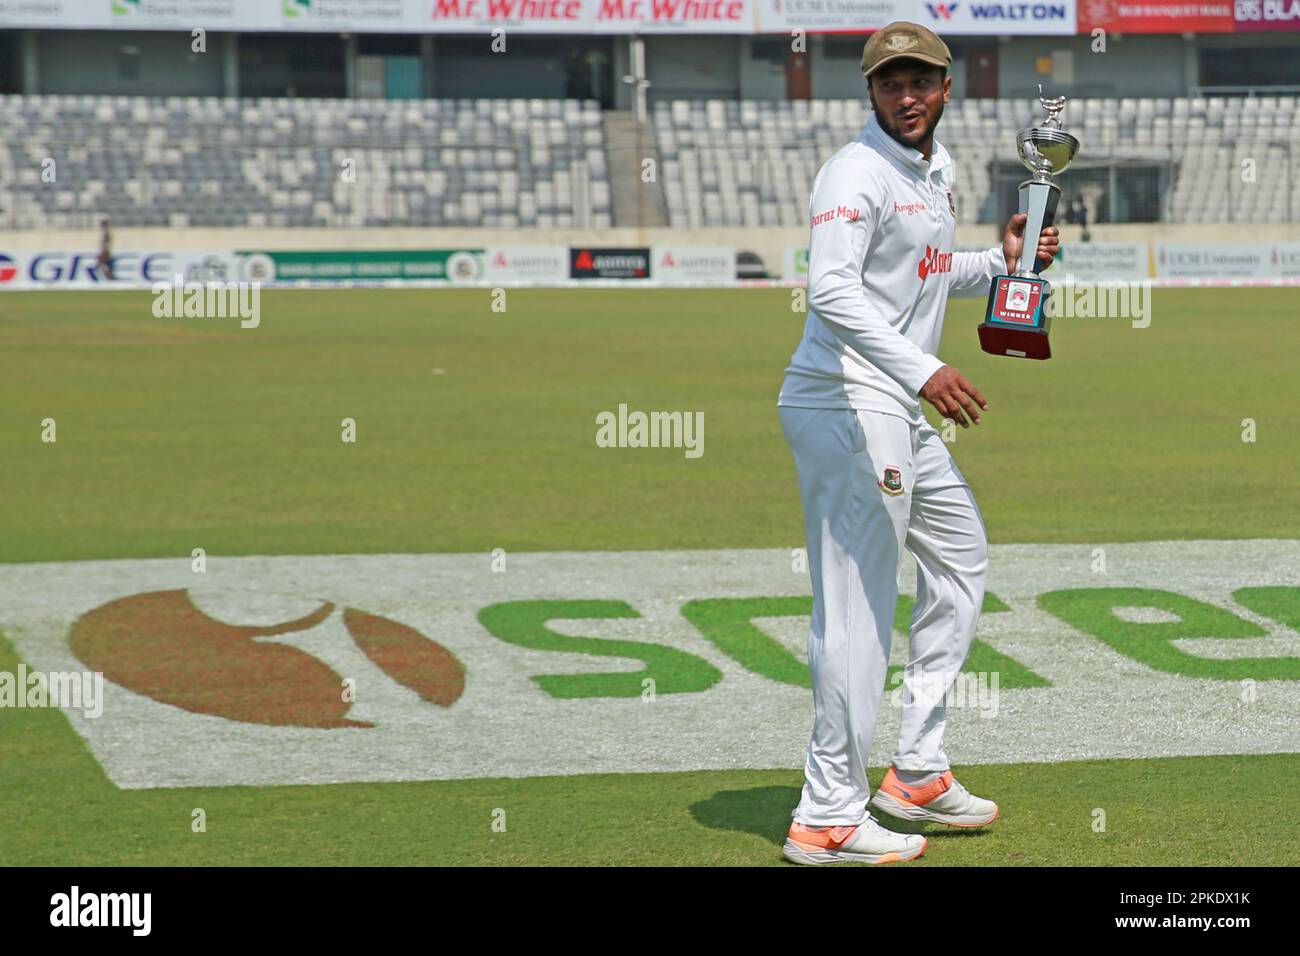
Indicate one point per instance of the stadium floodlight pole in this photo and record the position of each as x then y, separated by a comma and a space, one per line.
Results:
636, 79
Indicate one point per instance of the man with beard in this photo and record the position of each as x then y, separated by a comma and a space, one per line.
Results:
874, 475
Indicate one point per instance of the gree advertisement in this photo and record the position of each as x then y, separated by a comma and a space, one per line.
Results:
80, 269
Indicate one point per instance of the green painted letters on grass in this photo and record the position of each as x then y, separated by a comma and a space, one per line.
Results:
1091, 610
1282, 604
982, 659
729, 624
524, 623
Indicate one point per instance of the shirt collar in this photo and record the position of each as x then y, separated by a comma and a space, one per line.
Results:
911, 158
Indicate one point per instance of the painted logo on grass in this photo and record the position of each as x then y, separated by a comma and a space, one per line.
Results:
637, 662
160, 645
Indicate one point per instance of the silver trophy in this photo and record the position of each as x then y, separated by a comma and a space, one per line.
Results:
1017, 319
1045, 150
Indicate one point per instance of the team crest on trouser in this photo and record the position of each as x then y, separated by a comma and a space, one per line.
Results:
891, 483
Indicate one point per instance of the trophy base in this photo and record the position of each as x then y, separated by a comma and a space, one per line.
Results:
1018, 343
1016, 320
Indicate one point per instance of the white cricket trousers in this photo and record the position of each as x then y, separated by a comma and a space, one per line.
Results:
871, 484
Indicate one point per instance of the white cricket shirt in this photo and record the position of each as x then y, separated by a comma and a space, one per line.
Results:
881, 261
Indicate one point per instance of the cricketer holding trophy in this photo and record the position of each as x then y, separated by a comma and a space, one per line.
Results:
874, 475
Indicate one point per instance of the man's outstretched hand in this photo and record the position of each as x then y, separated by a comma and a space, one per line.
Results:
949, 392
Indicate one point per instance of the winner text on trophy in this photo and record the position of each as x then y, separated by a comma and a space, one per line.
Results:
1016, 320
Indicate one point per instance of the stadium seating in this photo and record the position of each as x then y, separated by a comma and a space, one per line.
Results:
752, 163
257, 163
288, 162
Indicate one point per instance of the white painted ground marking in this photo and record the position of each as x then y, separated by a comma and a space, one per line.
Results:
1101, 705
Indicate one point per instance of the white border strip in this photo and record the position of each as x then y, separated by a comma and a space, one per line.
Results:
122, 286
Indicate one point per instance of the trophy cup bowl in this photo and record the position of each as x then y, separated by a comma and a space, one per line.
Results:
1017, 318
1046, 149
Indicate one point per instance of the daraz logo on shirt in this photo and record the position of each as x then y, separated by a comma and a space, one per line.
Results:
850, 213
934, 261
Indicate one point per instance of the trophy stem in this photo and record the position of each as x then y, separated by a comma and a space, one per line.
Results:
1039, 199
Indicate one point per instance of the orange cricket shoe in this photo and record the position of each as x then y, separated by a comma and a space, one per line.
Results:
868, 842
942, 800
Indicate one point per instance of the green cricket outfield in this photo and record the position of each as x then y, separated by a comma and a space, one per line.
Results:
475, 436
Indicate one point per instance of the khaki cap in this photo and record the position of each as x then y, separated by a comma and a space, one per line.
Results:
902, 40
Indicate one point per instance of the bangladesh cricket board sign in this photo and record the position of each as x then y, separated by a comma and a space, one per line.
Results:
412, 667
454, 266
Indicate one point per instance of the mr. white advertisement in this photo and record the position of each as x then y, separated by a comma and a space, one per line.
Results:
592, 16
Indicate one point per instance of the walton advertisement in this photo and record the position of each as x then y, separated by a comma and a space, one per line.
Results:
1009, 19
